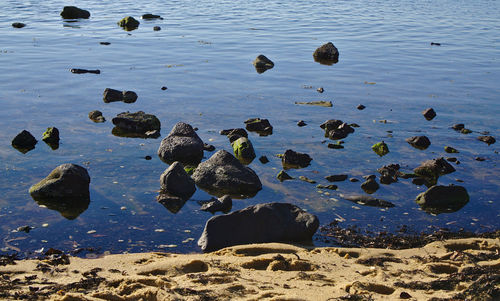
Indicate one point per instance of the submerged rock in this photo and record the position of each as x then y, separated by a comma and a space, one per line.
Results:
283, 176
129, 23
138, 122
223, 204
441, 199
65, 189
261, 126
429, 113
487, 139
367, 200
182, 144
262, 63
243, 150
320, 103
24, 142
370, 186
51, 137
292, 159
419, 142
175, 181
73, 12
224, 174
380, 148
458, 126
431, 170
326, 54
262, 223
173, 203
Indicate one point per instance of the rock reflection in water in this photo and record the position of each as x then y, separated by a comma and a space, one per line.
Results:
69, 207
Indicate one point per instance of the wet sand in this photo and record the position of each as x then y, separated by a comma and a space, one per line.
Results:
444, 269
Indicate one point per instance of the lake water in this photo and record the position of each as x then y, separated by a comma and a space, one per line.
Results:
204, 55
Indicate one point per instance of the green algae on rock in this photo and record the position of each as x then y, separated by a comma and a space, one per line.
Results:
283, 176
129, 23
51, 137
243, 150
380, 148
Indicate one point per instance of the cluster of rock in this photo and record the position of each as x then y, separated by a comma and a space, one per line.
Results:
112, 95
25, 141
336, 129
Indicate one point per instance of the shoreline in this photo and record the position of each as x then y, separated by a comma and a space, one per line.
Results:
455, 268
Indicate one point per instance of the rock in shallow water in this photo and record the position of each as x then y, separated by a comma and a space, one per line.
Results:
138, 122
243, 150
262, 63
326, 54
182, 144
73, 12
24, 142
292, 159
224, 174
223, 204
175, 181
262, 223
419, 142
129, 23
441, 199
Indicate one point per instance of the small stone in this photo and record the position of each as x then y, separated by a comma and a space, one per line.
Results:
164, 88
147, 157
26, 229
243, 150
336, 178
282, 176
320, 90
440, 199
419, 142
51, 135
261, 126
335, 146
262, 63
331, 186
480, 159
208, 147
263, 159
301, 123
458, 126
223, 204
465, 131
83, 71
451, 159
380, 148
429, 113
292, 159
370, 186
320, 103
151, 17
73, 12
360, 107
105, 43
326, 54
157, 28
405, 295
129, 23
18, 25
129, 96
353, 180
487, 139
450, 150
306, 179
138, 122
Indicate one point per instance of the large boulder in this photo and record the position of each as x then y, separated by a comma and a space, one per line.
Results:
224, 174
262, 223
138, 122
65, 189
182, 144
326, 54
176, 181
439, 199
73, 12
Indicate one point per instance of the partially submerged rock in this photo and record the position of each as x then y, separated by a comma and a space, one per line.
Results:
96, 116
292, 159
487, 139
136, 123
441, 199
450, 150
431, 170
24, 142
419, 142
458, 126
51, 137
331, 186
320, 103
336, 178
182, 144
389, 173
243, 150
129, 23
380, 148
429, 113
83, 71
262, 223
65, 189
370, 186
261, 126
151, 17
18, 25
224, 174
262, 63
73, 12
173, 203
112, 95
367, 200
326, 54
283, 176
306, 179
336, 129
223, 204
175, 181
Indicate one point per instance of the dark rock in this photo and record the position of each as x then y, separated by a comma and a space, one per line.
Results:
487, 139
182, 144
367, 200
335, 146
208, 147
129, 96
138, 122
73, 12
173, 203
353, 180
262, 223
175, 181
24, 142
370, 186
292, 159
431, 170
224, 174
18, 25
450, 150
419, 142
440, 199
96, 116
262, 63
465, 131
82, 71
112, 95
151, 17
320, 90
26, 229
336, 129
261, 126
480, 159
65, 189
389, 173
51, 137
336, 178
148, 157
451, 159
429, 113
243, 150
157, 28
234, 134
405, 295
360, 107
370, 177
326, 54
419, 181
263, 159
458, 126
380, 148
223, 204
306, 179
301, 123
331, 186
105, 43
164, 88
435, 44
330, 124
129, 23
283, 176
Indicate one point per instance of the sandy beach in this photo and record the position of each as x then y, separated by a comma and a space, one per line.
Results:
451, 269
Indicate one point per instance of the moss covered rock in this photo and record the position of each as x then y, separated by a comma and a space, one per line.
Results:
129, 23
243, 150
380, 148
